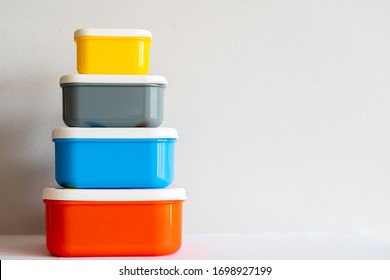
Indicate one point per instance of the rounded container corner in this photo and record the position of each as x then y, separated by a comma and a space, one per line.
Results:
69, 122
57, 251
169, 249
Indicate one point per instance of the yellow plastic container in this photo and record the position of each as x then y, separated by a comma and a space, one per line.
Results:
112, 51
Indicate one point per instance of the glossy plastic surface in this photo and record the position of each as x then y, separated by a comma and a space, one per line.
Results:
114, 163
112, 55
110, 105
86, 228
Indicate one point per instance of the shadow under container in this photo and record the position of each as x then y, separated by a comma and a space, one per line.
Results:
113, 100
112, 51
133, 222
97, 158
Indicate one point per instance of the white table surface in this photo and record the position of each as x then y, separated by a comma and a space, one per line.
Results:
308, 246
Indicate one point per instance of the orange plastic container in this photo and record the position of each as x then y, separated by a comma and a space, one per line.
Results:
113, 222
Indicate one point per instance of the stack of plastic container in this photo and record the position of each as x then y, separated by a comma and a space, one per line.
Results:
113, 161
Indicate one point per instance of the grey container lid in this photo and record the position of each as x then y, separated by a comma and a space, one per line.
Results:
112, 79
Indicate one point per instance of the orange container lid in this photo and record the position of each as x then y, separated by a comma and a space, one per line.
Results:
114, 194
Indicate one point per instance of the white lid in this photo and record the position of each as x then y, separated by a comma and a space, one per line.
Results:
114, 194
108, 32
113, 132
112, 79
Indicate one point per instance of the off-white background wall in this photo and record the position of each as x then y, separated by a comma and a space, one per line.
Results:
283, 108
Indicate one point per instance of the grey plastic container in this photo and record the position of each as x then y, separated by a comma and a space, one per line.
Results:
113, 100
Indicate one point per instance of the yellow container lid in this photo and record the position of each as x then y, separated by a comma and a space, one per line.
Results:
112, 32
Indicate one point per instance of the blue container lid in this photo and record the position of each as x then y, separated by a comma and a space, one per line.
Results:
113, 133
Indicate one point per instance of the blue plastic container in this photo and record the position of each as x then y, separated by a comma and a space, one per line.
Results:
114, 157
